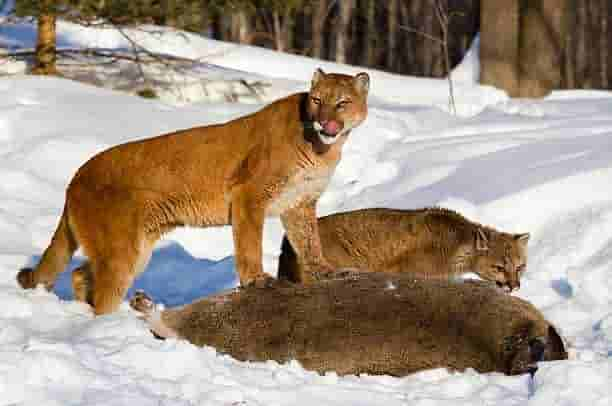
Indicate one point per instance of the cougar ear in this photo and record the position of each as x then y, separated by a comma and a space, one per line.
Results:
482, 242
362, 82
522, 238
317, 76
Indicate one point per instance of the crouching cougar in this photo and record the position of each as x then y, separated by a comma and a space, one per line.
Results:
275, 162
432, 243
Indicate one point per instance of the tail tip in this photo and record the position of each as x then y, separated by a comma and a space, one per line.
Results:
25, 278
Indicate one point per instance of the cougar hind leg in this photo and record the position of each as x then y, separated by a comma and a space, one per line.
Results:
111, 226
82, 283
111, 277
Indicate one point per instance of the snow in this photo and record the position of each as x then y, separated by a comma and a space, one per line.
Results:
538, 166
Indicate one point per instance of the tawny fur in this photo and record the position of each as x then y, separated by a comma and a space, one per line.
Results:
371, 323
430, 243
276, 161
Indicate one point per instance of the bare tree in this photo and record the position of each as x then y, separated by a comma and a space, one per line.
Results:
342, 33
280, 29
499, 44
168, 14
603, 49
392, 26
442, 15
240, 26
370, 38
318, 20
542, 46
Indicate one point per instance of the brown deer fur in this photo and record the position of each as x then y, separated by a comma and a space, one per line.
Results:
430, 243
276, 161
371, 323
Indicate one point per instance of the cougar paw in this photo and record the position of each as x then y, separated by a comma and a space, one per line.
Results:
340, 273
262, 283
347, 273
141, 302
25, 277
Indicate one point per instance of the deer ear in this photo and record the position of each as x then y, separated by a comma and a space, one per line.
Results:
362, 82
482, 242
317, 76
522, 238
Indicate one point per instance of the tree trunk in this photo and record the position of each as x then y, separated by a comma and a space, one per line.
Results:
440, 51
604, 50
499, 44
45, 58
571, 44
429, 47
582, 62
205, 26
607, 42
603, 15
594, 42
279, 42
287, 29
319, 16
370, 37
408, 51
193, 16
169, 10
342, 33
240, 27
541, 46
392, 27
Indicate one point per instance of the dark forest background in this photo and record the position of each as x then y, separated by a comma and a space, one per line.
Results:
372, 33
401, 36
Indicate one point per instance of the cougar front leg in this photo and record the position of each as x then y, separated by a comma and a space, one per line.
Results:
302, 229
247, 229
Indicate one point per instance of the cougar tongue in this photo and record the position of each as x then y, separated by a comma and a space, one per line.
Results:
331, 127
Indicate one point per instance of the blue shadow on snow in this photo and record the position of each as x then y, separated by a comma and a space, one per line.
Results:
173, 276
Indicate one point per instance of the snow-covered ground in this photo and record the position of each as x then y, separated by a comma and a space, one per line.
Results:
543, 167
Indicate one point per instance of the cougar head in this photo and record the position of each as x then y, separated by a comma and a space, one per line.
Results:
336, 104
501, 258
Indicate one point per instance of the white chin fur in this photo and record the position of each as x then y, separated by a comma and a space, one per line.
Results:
328, 140
325, 139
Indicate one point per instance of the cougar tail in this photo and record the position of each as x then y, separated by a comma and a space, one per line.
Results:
287, 263
54, 260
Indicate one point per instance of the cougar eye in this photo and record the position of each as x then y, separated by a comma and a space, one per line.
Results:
499, 268
342, 104
316, 100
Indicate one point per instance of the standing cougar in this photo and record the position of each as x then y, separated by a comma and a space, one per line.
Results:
276, 161
372, 323
429, 243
